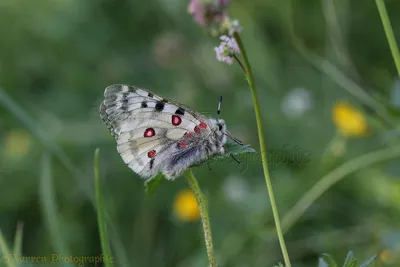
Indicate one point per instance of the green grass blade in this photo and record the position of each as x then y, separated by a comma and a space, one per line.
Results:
348, 259
105, 243
6, 256
49, 208
327, 260
17, 248
369, 261
389, 33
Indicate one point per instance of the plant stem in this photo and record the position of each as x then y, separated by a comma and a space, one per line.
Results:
250, 80
105, 243
332, 178
389, 33
240, 64
194, 185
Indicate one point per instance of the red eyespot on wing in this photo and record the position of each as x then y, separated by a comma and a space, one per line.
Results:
151, 153
176, 120
149, 132
182, 144
198, 128
188, 135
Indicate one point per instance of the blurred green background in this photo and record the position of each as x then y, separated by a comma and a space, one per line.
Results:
56, 58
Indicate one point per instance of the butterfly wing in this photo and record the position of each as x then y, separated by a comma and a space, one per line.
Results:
146, 127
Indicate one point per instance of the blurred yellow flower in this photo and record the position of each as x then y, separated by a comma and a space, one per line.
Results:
387, 256
16, 143
349, 121
185, 206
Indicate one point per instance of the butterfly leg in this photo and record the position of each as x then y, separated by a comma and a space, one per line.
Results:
235, 159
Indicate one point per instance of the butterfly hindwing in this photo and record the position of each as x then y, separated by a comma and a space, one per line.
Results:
148, 127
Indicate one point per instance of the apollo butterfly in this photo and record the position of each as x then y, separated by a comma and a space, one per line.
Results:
155, 134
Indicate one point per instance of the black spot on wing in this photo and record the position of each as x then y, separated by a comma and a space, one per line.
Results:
159, 106
150, 94
180, 111
144, 104
124, 105
131, 89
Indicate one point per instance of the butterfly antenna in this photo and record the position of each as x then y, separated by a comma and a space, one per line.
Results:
219, 107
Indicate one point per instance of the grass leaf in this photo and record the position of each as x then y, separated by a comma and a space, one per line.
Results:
105, 243
49, 208
231, 149
369, 261
6, 256
322, 263
328, 260
152, 184
348, 259
17, 248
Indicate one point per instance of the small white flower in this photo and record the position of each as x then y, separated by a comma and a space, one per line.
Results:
235, 27
227, 49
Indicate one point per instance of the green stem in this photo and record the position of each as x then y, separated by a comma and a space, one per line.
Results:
194, 185
250, 80
389, 33
332, 178
105, 243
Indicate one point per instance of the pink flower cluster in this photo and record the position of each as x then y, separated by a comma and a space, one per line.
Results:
213, 15
207, 12
227, 49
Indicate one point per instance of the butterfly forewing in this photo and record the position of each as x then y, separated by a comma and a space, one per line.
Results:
147, 127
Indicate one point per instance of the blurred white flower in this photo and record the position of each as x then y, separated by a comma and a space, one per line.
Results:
297, 102
236, 188
235, 27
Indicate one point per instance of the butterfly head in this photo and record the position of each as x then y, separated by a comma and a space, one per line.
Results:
219, 130
221, 133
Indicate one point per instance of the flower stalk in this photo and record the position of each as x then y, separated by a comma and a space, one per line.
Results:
194, 185
250, 80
